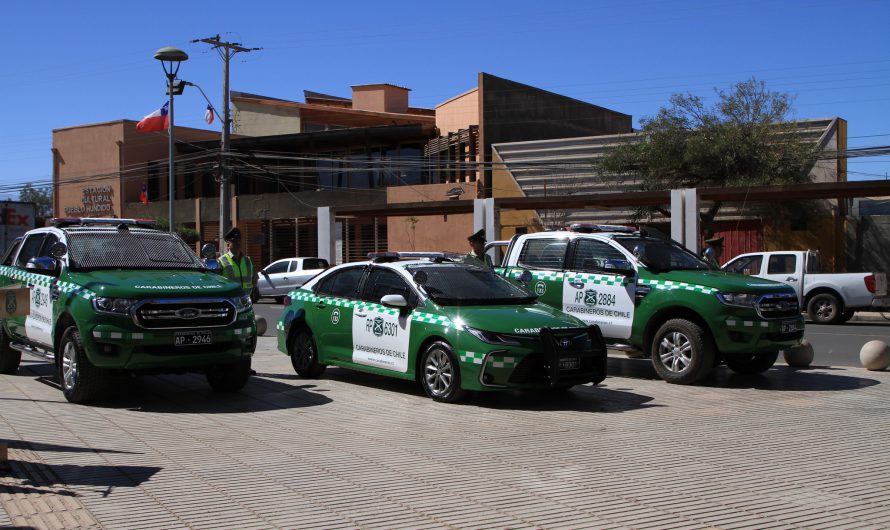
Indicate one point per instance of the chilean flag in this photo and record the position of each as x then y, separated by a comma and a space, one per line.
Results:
155, 122
143, 197
208, 115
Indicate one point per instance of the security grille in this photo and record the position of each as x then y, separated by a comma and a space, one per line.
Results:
778, 306
129, 249
192, 314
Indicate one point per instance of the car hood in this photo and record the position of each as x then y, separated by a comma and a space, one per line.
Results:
727, 282
512, 319
152, 283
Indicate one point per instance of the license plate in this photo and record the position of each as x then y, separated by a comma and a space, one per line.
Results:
789, 326
569, 363
192, 338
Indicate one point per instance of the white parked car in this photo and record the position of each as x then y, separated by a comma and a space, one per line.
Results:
285, 275
829, 298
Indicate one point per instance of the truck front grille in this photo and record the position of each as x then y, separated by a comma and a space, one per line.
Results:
184, 314
783, 305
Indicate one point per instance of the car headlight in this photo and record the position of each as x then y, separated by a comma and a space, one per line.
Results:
738, 299
490, 337
116, 306
242, 303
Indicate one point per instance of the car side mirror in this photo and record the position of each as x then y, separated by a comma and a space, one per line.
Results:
208, 251
58, 249
43, 264
526, 277
394, 300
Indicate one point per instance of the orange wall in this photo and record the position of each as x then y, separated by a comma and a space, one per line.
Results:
83, 152
433, 233
458, 113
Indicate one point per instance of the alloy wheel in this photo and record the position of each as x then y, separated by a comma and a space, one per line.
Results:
675, 351
304, 353
69, 366
438, 372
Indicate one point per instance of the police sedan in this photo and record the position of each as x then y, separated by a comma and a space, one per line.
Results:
454, 327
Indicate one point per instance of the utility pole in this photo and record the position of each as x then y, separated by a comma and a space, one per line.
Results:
226, 51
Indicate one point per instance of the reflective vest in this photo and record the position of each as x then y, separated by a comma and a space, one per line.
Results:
484, 261
241, 273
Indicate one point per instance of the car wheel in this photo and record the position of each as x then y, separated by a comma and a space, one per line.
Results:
682, 352
229, 378
440, 373
254, 294
304, 355
9, 358
81, 381
824, 308
751, 364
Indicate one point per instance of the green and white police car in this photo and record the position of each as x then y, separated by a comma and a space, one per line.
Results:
425, 316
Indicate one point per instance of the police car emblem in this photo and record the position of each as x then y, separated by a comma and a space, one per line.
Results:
335, 316
565, 343
187, 313
378, 326
540, 288
590, 297
11, 305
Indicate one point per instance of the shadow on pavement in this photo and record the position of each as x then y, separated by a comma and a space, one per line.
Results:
40, 446
582, 398
777, 378
172, 393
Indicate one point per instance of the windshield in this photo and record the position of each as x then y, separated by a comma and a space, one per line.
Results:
662, 255
129, 249
458, 284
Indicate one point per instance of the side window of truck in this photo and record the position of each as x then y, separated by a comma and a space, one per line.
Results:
543, 254
782, 264
591, 255
749, 265
7, 259
30, 248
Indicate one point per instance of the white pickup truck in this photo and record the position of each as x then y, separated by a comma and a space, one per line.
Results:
285, 275
828, 298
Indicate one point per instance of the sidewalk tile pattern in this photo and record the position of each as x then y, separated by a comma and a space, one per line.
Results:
789, 449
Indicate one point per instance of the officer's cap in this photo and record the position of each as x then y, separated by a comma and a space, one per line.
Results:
715, 242
478, 236
233, 235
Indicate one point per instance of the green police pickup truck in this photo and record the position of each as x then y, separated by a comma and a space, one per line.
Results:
117, 295
653, 298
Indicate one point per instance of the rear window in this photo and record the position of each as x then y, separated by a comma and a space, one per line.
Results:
314, 263
128, 249
543, 253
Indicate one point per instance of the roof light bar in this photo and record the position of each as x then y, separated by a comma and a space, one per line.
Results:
85, 221
383, 257
587, 228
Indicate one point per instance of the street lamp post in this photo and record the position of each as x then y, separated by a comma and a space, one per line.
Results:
171, 58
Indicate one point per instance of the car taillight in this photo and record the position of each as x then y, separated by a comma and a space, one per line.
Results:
870, 283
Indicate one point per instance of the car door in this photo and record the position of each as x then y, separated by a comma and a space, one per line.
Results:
330, 316
595, 295
44, 293
381, 335
545, 259
785, 268
274, 278
30, 248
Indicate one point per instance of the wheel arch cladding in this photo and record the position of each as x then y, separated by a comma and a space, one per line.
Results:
670, 313
418, 366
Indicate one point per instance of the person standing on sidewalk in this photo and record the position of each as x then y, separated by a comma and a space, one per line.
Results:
237, 266
713, 251
477, 255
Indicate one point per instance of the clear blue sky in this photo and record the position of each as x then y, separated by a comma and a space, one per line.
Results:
74, 63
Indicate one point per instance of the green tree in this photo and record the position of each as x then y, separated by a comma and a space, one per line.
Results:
745, 138
42, 197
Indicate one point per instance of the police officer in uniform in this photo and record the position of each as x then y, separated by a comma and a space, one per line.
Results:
477, 255
713, 251
234, 264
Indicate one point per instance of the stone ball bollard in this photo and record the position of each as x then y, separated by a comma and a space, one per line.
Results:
800, 356
875, 355
260, 326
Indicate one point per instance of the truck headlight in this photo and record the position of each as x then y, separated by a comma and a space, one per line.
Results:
738, 299
242, 303
490, 337
116, 306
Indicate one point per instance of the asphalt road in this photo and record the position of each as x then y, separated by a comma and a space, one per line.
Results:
833, 345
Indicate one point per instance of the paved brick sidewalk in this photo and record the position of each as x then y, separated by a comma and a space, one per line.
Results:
791, 449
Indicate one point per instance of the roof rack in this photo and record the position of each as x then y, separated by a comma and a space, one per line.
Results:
587, 228
62, 222
387, 257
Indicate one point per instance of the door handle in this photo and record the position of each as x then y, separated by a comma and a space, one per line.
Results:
577, 284
321, 306
790, 279
361, 315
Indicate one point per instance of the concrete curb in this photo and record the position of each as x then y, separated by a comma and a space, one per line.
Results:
871, 316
